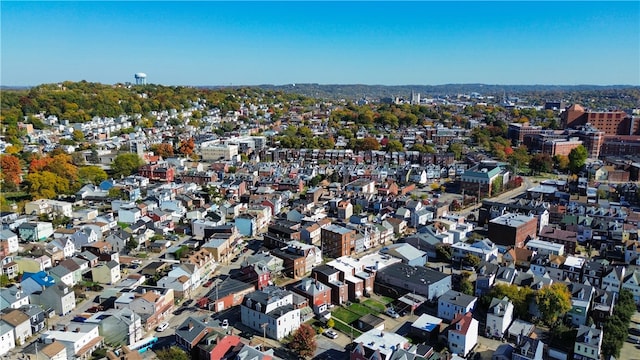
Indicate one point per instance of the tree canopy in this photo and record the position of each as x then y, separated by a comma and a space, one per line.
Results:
126, 164
303, 341
577, 158
554, 302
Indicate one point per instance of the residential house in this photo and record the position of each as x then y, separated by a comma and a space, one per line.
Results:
631, 282
377, 344
602, 307
407, 253
485, 250
65, 244
118, 327
36, 317
499, 317
61, 274
32, 282
398, 278
80, 341
228, 293
257, 274
41, 351
58, 297
588, 343
331, 277
528, 348
454, 302
106, 273
10, 239
7, 341
153, 304
271, 306
20, 323
317, 293
613, 279
191, 332
13, 297
581, 300
462, 334
338, 241
35, 231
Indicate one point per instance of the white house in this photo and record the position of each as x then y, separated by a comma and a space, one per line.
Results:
463, 334
7, 340
454, 302
613, 278
631, 282
499, 317
383, 342
66, 245
129, 215
484, 249
80, 340
11, 239
588, 343
271, 306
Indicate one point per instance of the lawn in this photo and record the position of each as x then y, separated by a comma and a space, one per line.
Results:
359, 309
375, 305
345, 315
346, 329
386, 300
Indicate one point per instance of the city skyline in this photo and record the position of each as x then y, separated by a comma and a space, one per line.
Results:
376, 43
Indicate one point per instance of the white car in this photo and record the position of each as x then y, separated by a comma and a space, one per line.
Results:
225, 323
392, 313
331, 334
162, 327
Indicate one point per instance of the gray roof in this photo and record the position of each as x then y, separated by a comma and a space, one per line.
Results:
457, 298
191, 328
588, 335
413, 274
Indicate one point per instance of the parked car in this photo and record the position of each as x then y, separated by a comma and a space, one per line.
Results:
162, 327
331, 334
392, 313
208, 283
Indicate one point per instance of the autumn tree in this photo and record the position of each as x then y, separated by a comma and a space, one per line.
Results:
172, 353
394, 145
164, 150
541, 163
11, 174
561, 162
303, 342
186, 147
45, 184
91, 174
456, 148
126, 164
553, 302
77, 135
365, 144
519, 296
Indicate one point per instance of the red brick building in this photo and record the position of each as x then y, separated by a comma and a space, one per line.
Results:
512, 230
226, 294
567, 238
610, 122
337, 241
156, 172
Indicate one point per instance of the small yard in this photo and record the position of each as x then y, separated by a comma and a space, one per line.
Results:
346, 329
360, 309
386, 300
345, 315
375, 305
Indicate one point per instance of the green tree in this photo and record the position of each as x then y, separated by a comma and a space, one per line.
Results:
561, 162
456, 148
496, 186
519, 296
77, 135
577, 158
394, 145
172, 353
554, 302
91, 174
303, 342
126, 164
443, 252
466, 287
472, 260
131, 244
331, 323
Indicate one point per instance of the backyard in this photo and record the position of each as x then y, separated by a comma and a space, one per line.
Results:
345, 317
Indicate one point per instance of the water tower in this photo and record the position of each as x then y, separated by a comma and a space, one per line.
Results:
141, 78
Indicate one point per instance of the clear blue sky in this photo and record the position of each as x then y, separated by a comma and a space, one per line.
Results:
389, 43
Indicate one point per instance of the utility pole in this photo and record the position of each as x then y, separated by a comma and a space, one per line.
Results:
264, 334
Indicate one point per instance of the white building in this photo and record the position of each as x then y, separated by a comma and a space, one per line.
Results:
271, 310
499, 317
80, 340
211, 152
463, 334
453, 302
484, 249
7, 341
381, 341
545, 247
47, 206
11, 239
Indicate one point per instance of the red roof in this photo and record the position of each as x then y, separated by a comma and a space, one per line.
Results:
464, 320
223, 346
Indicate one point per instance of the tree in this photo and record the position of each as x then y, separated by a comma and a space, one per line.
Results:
519, 296
466, 286
577, 158
561, 162
131, 244
366, 144
472, 260
303, 342
45, 184
553, 302
172, 353
331, 323
394, 145
496, 186
186, 147
519, 157
456, 148
541, 163
91, 174
126, 164
11, 173
443, 252
77, 135
163, 150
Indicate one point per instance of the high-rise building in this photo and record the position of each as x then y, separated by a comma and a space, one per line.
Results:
610, 122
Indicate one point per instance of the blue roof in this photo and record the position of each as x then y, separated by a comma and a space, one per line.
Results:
40, 277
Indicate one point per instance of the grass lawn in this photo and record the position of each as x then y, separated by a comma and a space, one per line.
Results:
359, 309
344, 315
346, 329
374, 305
386, 300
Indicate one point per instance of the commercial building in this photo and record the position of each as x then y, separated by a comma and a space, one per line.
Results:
512, 230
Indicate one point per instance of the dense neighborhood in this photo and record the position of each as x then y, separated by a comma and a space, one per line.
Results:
154, 222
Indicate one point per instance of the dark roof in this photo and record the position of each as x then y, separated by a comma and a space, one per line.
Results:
413, 274
325, 270
227, 287
190, 329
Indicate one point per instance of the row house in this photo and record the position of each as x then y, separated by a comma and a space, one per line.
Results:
153, 304
227, 293
317, 294
198, 177
271, 310
331, 277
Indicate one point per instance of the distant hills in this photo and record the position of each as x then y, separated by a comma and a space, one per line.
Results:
357, 91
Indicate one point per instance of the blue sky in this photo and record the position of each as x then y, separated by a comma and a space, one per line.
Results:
388, 43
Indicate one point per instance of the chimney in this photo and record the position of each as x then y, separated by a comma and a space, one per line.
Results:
190, 325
